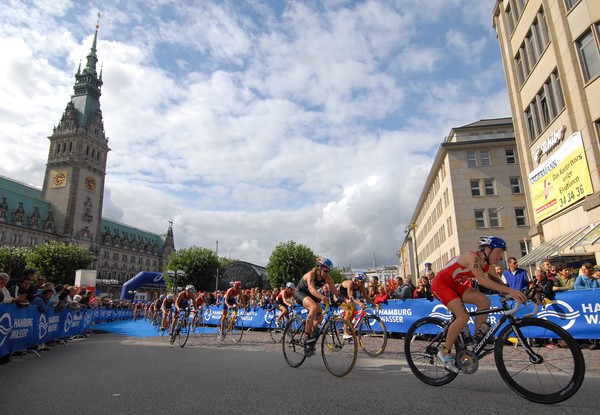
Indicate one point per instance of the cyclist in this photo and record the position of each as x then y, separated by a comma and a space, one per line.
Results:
167, 309
229, 301
285, 299
186, 300
137, 308
448, 287
307, 293
348, 291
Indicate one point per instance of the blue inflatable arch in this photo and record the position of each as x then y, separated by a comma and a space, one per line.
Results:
143, 278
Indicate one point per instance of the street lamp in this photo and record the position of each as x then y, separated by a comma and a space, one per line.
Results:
176, 277
133, 293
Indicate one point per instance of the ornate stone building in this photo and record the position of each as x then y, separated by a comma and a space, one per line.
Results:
68, 208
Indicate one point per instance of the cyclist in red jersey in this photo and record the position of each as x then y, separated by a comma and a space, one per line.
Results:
448, 287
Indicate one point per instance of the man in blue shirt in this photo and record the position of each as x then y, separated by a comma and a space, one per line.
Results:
514, 276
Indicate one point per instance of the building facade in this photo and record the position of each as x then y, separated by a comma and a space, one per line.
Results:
474, 189
551, 57
68, 208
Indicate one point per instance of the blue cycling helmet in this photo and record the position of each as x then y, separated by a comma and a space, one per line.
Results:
360, 276
492, 241
325, 261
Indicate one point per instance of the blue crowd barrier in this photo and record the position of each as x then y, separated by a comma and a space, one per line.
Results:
578, 312
22, 328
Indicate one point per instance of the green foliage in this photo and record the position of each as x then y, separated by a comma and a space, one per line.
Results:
59, 261
224, 261
13, 260
289, 261
337, 275
199, 264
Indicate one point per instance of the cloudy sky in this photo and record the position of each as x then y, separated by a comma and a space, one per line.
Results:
256, 122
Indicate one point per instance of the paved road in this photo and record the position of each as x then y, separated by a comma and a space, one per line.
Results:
113, 374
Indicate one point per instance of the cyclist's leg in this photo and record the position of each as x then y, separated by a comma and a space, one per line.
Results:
349, 309
174, 323
457, 308
314, 313
473, 296
282, 313
223, 319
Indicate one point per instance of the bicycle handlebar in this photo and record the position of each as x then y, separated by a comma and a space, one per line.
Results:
516, 307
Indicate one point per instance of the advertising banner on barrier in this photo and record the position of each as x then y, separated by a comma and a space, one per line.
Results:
578, 312
21, 328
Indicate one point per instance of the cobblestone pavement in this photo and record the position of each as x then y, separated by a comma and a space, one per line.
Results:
394, 353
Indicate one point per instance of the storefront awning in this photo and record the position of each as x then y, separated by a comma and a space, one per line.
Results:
560, 246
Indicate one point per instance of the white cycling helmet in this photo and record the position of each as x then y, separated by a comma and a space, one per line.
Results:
290, 285
190, 289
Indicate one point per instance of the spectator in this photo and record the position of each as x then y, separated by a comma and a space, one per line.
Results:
373, 286
23, 287
399, 284
7, 298
585, 279
514, 276
41, 280
430, 274
564, 281
423, 289
547, 266
407, 290
382, 296
552, 273
32, 290
42, 302
543, 283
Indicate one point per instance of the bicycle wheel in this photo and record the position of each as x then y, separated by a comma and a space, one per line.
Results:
184, 331
422, 342
176, 331
339, 354
534, 371
237, 330
198, 324
276, 330
372, 335
293, 342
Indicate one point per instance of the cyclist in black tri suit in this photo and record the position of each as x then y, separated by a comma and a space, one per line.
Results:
308, 295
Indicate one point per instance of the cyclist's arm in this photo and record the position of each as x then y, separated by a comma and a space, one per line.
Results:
177, 301
332, 287
484, 279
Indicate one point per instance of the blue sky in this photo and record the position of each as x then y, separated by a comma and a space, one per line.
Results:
256, 122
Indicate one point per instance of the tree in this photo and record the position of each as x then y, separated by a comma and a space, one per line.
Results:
289, 261
58, 261
199, 264
13, 260
337, 275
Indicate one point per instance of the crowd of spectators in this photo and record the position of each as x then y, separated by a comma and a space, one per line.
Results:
33, 290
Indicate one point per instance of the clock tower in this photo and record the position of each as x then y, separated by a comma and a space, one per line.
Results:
76, 168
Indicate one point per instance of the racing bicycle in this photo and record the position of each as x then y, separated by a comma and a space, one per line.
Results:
339, 355
182, 328
535, 372
234, 326
370, 331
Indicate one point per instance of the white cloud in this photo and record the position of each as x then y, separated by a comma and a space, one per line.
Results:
254, 126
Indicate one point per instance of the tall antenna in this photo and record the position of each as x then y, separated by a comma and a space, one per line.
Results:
374, 261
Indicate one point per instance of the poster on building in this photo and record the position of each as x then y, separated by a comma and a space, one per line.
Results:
562, 180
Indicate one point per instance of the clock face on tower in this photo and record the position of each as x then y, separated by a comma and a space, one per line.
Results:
89, 183
59, 179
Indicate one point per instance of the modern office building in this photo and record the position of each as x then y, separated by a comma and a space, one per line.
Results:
68, 207
474, 189
550, 52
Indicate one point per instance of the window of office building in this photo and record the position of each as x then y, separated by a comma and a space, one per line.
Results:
521, 216
569, 4
471, 159
545, 107
489, 187
511, 157
515, 185
524, 248
479, 218
485, 158
589, 54
494, 217
475, 189
535, 42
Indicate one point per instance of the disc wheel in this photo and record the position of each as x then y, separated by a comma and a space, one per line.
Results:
422, 342
372, 335
536, 372
293, 342
339, 354
237, 330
